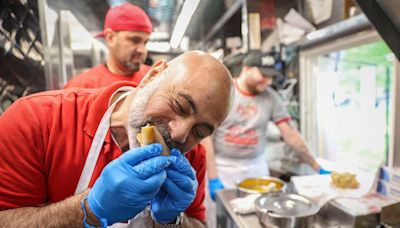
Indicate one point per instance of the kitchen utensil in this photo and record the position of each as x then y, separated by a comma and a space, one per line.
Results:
286, 210
260, 185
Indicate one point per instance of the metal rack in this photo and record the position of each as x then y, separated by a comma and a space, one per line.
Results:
21, 51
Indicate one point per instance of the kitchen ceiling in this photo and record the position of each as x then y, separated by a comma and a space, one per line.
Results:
163, 14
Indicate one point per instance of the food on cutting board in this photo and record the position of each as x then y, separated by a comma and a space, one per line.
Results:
344, 180
149, 134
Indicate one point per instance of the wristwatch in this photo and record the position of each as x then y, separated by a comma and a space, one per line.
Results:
169, 225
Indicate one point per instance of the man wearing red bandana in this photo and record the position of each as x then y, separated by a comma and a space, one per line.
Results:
127, 29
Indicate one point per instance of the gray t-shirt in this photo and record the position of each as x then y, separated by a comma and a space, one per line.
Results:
243, 133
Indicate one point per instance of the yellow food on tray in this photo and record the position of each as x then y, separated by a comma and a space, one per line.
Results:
344, 180
149, 134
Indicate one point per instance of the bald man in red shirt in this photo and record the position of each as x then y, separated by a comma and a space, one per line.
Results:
127, 29
70, 158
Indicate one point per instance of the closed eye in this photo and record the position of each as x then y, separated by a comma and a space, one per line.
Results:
202, 130
198, 133
177, 107
138, 40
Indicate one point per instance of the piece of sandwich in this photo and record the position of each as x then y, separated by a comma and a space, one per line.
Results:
149, 134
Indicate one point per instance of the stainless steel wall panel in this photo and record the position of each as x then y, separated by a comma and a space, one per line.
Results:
21, 51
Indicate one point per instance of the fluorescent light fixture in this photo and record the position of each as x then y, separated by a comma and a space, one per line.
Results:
188, 8
316, 34
158, 46
184, 46
159, 35
113, 3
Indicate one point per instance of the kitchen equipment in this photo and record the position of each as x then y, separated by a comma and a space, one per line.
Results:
286, 210
390, 215
364, 211
260, 185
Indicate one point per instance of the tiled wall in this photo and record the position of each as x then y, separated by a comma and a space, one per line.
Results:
21, 51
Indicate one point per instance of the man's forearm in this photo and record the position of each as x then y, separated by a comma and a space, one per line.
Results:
301, 148
293, 138
66, 213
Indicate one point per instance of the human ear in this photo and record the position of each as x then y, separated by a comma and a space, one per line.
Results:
154, 71
109, 36
247, 71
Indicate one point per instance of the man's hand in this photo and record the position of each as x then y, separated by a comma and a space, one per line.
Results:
177, 192
214, 185
323, 171
127, 185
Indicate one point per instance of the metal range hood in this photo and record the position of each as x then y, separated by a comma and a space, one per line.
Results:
385, 17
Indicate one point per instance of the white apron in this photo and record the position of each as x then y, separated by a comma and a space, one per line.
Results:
232, 170
97, 144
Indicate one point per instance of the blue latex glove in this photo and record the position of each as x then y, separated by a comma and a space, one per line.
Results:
214, 185
323, 171
127, 185
177, 192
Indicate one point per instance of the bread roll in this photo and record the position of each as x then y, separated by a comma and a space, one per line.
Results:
149, 134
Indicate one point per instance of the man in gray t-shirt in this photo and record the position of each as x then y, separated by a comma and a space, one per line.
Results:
236, 149
242, 135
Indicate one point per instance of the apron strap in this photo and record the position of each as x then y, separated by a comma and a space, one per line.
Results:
98, 141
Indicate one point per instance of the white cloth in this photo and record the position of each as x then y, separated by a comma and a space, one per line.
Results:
244, 205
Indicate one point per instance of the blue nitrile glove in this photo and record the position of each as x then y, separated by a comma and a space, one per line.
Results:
214, 185
127, 185
323, 171
177, 192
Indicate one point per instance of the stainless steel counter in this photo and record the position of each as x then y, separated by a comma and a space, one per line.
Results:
227, 218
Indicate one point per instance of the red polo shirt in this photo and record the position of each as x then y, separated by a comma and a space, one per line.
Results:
44, 142
100, 76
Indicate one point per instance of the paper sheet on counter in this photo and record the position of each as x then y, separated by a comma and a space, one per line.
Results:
320, 189
370, 203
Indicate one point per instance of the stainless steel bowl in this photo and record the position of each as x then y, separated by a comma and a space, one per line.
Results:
286, 210
260, 185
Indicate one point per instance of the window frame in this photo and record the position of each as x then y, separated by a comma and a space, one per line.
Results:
307, 90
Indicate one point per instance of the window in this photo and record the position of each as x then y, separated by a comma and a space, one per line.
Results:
349, 118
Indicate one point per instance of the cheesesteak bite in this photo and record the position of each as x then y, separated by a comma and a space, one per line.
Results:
149, 134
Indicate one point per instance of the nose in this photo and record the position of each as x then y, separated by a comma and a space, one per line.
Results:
180, 130
141, 48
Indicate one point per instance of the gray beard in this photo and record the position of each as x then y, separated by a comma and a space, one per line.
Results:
136, 118
134, 67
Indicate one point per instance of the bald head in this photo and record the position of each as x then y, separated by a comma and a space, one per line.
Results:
202, 73
200, 64
187, 98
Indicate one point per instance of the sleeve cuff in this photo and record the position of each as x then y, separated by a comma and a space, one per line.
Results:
281, 120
